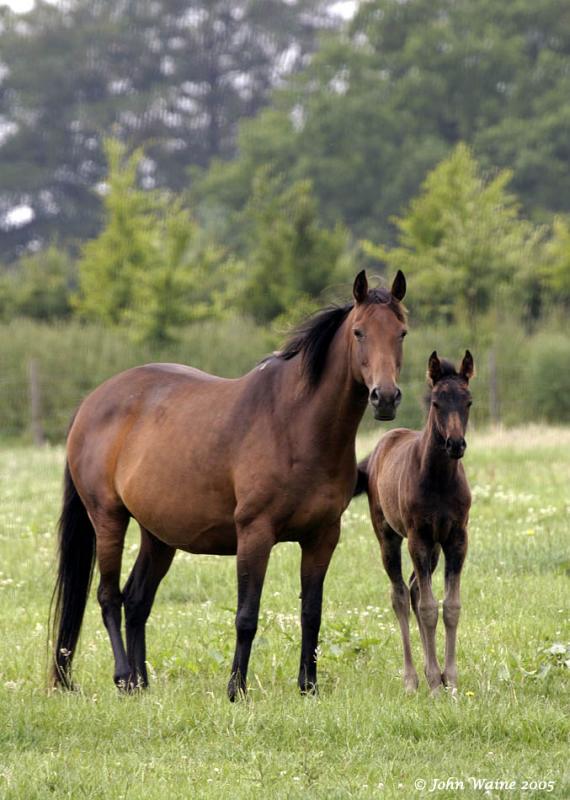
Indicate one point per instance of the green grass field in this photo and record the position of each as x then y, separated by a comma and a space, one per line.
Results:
363, 737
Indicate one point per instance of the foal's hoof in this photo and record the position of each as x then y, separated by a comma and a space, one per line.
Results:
450, 681
411, 683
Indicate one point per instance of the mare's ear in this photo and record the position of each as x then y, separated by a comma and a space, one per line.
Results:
467, 368
360, 288
434, 368
398, 289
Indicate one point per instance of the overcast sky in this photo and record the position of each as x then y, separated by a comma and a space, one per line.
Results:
344, 7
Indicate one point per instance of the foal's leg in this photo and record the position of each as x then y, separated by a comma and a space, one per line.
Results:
391, 547
427, 609
455, 550
152, 564
254, 543
315, 559
110, 528
415, 592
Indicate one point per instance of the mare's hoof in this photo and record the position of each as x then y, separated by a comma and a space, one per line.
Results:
129, 683
236, 690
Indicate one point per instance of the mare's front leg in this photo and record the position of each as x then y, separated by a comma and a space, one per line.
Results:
254, 543
455, 550
391, 547
316, 556
422, 553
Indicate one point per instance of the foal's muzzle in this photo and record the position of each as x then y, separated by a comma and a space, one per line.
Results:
455, 447
384, 402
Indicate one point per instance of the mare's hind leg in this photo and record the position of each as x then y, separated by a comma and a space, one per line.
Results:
111, 528
316, 556
455, 550
391, 547
426, 607
152, 564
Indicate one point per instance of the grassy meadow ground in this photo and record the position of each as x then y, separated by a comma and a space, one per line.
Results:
363, 738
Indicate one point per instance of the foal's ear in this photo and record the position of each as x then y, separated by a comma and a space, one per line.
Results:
434, 368
467, 368
398, 289
360, 288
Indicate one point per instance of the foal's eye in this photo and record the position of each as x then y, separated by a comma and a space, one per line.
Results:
358, 333
435, 405
469, 403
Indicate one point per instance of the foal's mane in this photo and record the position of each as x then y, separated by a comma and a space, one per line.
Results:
313, 337
448, 372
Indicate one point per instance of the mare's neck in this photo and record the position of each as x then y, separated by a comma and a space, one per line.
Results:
336, 405
436, 467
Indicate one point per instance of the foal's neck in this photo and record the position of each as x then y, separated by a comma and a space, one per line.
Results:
435, 464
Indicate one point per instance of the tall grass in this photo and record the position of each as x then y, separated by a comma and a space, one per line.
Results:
363, 738
532, 372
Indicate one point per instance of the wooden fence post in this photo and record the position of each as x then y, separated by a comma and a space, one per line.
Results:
494, 404
38, 436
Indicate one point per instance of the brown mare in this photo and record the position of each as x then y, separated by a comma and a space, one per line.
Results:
417, 489
226, 467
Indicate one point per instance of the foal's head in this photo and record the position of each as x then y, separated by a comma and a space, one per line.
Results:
378, 326
450, 401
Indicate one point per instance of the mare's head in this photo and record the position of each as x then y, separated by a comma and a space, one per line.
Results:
377, 326
450, 401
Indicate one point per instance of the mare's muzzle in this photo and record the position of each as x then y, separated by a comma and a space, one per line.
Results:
385, 402
455, 447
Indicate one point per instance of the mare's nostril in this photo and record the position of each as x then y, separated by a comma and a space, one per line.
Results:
374, 397
397, 396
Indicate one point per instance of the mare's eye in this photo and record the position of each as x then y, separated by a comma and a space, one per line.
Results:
358, 333
403, 335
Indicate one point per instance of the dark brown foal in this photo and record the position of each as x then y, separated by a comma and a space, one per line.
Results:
417, 489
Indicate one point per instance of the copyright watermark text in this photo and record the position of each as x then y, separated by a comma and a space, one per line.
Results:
482, 784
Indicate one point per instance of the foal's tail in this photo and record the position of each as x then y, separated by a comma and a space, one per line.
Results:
75, 570
362, 478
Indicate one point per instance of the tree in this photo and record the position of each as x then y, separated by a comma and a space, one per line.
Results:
174, 75
556, 266
148, 265
380, 105
291, 257
462, 241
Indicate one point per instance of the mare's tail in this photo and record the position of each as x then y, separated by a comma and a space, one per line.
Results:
75, 570
361, 478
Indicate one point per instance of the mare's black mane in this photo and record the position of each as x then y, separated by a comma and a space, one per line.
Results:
313, 337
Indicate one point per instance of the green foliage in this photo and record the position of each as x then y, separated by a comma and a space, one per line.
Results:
149, 267
381, 103
171, 75
291, 257
549, 378
38, 286
74, 358
461, 242
556, 267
